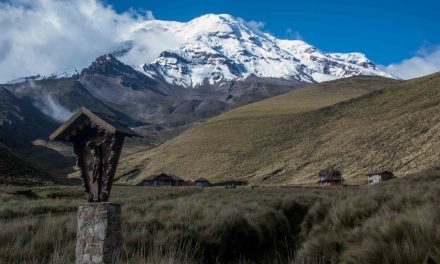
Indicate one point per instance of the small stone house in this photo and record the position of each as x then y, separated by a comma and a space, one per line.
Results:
162, 179
202, 182
379, 176
330, 177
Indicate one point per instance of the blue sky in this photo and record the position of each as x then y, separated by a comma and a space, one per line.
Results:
387, 31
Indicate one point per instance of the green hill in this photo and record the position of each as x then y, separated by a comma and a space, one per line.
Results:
288, 138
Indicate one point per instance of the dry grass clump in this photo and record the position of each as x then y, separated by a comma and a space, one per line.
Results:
48, 239
412, 237
222, 225
394, 222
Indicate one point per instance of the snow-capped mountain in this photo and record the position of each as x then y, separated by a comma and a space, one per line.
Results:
217, 48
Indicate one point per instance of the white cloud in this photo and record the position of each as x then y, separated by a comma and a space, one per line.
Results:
148, 44
256, 26
293, 34
54, 109
47, 104
423, 63
150, 15
50, 36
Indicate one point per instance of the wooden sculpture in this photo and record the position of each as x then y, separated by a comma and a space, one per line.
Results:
97, 142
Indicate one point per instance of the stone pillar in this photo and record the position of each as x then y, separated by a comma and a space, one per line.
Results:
99, 238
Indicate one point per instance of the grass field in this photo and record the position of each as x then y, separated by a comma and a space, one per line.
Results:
393, 222
289, 138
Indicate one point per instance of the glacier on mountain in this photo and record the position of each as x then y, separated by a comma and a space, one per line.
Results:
216, 48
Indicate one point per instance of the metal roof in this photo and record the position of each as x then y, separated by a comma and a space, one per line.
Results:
201, 180
379, 173
153, 177
330, 174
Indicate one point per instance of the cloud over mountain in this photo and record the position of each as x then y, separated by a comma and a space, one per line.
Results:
423, 63
49, 36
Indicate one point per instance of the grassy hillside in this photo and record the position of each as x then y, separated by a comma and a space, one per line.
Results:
274, 140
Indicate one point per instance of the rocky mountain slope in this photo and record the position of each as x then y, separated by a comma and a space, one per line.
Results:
115, 88
31, 110
22, 126
21, 160
20, 121
288, 138
154, 101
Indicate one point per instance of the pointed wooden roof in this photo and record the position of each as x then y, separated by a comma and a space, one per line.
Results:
109, 123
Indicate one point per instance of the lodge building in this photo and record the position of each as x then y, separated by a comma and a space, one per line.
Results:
202, 182
379, 176
162, 179
330, 177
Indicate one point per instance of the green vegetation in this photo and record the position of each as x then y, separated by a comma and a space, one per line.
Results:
282, 140
392, 222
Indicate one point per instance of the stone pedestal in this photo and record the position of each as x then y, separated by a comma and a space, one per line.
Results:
99, 238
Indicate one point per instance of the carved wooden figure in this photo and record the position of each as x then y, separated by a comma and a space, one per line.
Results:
97, 141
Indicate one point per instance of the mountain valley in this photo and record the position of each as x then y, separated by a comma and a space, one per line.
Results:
219, 64
392, 127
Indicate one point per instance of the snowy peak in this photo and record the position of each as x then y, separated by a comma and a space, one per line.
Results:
218, 48
354, 58
212, 23
328, 66
296, 46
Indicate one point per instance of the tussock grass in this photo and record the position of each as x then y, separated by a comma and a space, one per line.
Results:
393, 222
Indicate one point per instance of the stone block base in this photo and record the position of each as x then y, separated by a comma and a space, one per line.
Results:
99, 238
